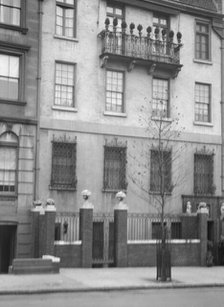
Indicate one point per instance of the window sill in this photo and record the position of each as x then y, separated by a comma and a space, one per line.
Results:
158, 193
67, 38
208, 62
14, 102
113, 191
62, 189
164, 119
8, 197
65, 109
203, 124
14, 28
107, 113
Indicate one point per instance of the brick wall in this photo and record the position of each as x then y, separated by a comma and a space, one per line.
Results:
182, 254
70, 255
186, 254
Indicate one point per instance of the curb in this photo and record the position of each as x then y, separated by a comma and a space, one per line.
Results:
109, 289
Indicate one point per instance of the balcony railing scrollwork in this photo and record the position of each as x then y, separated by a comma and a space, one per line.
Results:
154, 47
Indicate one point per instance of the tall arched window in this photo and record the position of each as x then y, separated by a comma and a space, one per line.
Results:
8, 163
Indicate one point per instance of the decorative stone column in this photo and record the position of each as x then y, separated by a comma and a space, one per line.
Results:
43, 228
86, 229
120, 231
203, 231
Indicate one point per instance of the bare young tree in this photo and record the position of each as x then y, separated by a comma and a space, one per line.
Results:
159, 154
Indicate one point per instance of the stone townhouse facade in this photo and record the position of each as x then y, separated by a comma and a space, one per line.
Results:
104, 64
19, 32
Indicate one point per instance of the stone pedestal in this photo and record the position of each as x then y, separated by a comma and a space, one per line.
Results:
86, 235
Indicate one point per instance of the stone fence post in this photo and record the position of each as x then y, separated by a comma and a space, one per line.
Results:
203, 231
86, 229
43, 223
120, 232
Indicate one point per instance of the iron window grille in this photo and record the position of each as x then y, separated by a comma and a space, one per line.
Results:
202, 102
114, 168
115, 91
202, 41
160, 171
8, 163
9, 77
160, 104
203, 174
63, 175
64, 84
66, 18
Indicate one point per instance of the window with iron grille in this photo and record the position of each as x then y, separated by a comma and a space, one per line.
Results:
9, 77
160, 105
114, 91
10, 12
202, 102
176, 230
66, 18
114, 168
160, 171
64, 84
202, 41
203, 174
63, 174
8, 163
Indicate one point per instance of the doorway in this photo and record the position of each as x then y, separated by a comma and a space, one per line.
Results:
7, 246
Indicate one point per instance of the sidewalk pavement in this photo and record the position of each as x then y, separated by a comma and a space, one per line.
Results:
108, 279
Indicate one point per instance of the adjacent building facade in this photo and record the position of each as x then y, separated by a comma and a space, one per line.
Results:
18, 122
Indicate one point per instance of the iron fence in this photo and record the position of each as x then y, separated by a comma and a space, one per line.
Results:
143, 226
67, 227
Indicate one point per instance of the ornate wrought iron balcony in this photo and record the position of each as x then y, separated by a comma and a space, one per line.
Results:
160, 51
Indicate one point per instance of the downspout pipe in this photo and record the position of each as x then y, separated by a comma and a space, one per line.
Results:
37, 145
221, 6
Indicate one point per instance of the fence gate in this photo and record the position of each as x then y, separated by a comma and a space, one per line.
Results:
103, 240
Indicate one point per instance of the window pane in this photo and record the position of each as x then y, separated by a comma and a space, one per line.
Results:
64, 87
8, 167
10, 12
9, 77
160, 97
114, 91
202, 41
65, 17
202, 102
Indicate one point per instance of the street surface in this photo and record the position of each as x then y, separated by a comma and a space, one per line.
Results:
197, 297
